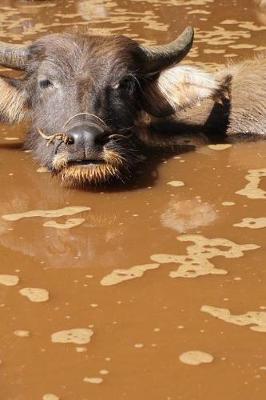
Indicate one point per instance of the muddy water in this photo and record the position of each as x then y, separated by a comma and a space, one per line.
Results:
151, 292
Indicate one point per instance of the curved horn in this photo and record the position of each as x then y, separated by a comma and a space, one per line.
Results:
160, 57
13, 56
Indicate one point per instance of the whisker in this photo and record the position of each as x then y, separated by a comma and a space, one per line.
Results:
61, 136
46, 137
116, 136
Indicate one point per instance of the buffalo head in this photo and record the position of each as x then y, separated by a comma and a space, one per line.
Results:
84, 96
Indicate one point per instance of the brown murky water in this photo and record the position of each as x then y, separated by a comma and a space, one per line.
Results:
155, 292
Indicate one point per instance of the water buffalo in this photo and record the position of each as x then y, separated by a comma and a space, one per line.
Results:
91, 99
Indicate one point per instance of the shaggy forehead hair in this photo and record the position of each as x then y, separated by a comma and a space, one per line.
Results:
76, 54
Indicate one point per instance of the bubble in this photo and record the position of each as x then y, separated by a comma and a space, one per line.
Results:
176, 183
252, 189
76, 336
9, 280
219, 147
36, 295
70, 223
196, 357
22, 333
197, 260
252, 223
257, 319
46, 213
93, 380
121, 275
50, 396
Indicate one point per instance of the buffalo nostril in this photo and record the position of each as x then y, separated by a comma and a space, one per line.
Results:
102, 139
69, 139
73, 138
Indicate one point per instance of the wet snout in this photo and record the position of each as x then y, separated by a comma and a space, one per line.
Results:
87, 153
87, 136
86, 142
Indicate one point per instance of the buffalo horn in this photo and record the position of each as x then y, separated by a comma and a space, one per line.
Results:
161, 57
13, 56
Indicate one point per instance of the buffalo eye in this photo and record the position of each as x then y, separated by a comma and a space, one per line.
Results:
45, 83
126, 84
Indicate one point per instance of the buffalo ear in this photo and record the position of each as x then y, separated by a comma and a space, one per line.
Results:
185, 86
153, 101
13, 100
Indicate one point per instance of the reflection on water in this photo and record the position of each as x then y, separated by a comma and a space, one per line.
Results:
183, 216
90, 10
87, 295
